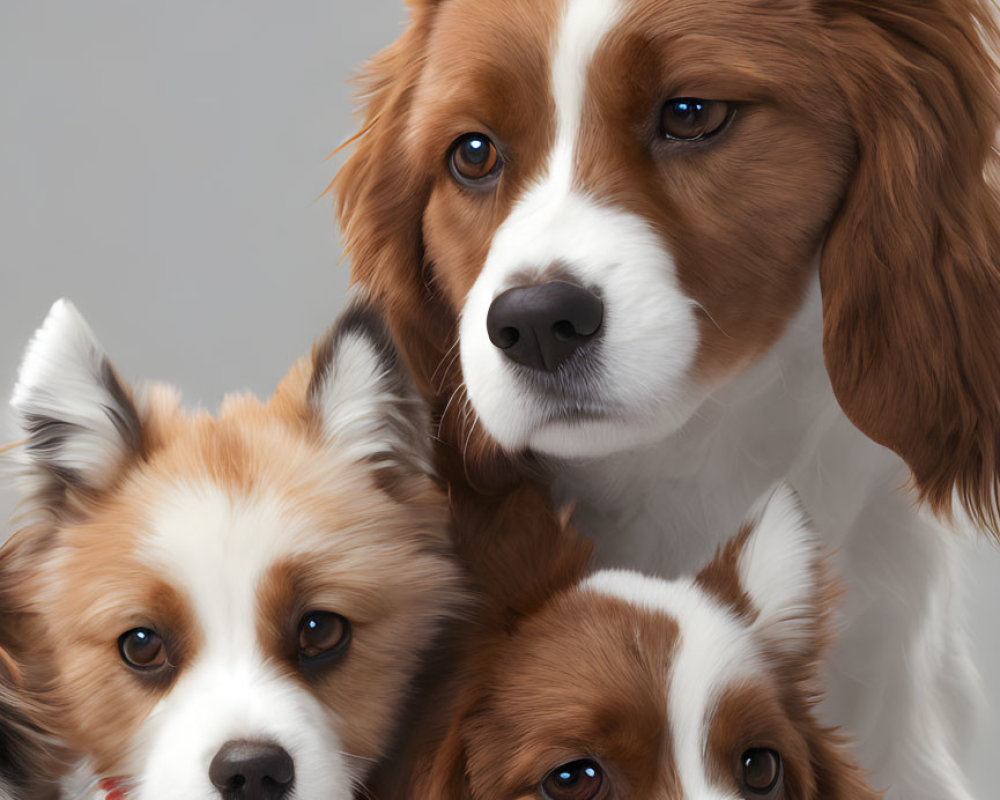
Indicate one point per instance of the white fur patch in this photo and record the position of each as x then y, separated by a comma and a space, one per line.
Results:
215, 549
583, 28
633, 384
60, 379
714, 652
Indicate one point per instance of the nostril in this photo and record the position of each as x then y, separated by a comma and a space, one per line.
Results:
507, 337
563, 330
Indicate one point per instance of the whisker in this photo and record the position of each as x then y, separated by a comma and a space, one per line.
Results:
360, 758
705, 312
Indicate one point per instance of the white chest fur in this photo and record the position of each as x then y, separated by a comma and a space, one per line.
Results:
899, 678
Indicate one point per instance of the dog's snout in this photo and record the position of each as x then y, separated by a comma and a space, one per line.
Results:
247, 770
540, 326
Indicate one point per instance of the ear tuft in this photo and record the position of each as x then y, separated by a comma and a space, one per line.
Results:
79, 420
783, 572
369, 408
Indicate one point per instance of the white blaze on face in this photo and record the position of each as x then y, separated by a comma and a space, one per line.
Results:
634, 383
714, 652
215, 549
780, 568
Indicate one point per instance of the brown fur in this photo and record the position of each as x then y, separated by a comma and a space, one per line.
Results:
585, 675
85, 575
769, 714
863, 131
29, 752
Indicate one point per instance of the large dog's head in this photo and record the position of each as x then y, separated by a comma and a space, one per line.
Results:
587, 214
228, 606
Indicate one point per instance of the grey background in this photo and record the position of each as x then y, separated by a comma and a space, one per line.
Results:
162, 163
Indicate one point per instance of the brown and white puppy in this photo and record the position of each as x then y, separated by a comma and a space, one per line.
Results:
618, 685
673, 249
229, 606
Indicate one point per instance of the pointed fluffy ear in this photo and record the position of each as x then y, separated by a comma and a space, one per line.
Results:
364, 399
911, 267
783, 575
80, 424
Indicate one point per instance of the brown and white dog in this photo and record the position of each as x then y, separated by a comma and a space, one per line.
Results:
673, 249
230, 606
619, 685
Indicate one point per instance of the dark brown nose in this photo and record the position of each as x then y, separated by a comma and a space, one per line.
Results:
541, 326
244, 770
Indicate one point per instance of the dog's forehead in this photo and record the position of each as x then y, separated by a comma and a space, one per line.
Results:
225, 502
713, 654
714, 646
564, 37
651, 660
214, 547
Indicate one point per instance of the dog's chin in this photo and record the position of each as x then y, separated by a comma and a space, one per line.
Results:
595, 436
566, 430
589, 438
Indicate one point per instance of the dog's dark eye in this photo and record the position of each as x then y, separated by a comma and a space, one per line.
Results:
761, 770
577, 780
690, 119
142, 648
323, 637
474, 161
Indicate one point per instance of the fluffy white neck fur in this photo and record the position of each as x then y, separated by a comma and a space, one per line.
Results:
899, 678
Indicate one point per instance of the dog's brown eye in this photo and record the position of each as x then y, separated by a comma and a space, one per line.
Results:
474, 160
142, 648
761, 771
323, 637
577, 780
690, 119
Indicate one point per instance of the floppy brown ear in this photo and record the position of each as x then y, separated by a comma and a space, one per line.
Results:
909, 272
382, 188
381, 192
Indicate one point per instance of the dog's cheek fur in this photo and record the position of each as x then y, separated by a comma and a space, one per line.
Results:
784, 159
778, 716
86, 607
394, 622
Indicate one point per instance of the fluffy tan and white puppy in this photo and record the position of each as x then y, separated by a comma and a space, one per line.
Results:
230, 606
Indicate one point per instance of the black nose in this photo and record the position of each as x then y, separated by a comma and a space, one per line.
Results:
541, 326
244, 770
